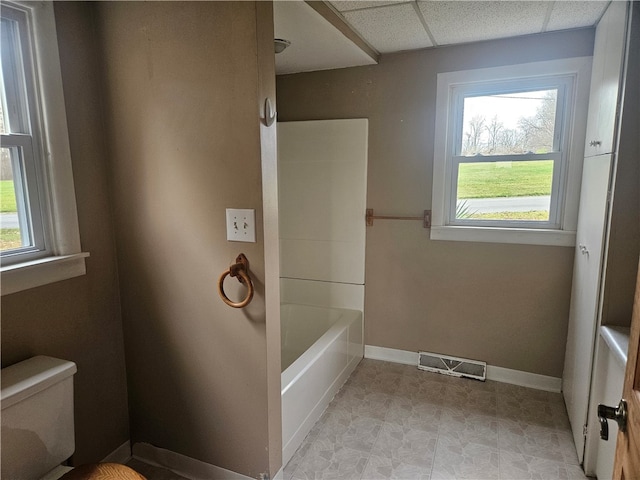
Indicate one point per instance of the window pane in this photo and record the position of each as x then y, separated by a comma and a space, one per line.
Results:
4, 121
15, 109
14, 222
517, 191
509, 123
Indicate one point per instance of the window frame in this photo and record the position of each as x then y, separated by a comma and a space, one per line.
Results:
58, 255
572, 77
28, 170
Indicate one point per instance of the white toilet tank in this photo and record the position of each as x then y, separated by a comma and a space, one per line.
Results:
37, 416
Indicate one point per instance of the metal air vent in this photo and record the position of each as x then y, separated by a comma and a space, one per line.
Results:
457, 367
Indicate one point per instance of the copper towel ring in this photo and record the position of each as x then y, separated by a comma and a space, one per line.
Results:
240, 269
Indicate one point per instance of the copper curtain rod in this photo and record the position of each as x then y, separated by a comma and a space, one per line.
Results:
425, 218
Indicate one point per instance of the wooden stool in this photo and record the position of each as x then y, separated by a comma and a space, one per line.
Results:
102, 471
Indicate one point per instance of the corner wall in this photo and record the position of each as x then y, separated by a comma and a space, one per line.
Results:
79, 319
184, 85
505, 304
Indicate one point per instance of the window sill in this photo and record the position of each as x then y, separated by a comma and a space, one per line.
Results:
523, 236
35, 273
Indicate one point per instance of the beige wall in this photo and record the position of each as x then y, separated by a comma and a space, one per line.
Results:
504, 304
183, 99
79, 319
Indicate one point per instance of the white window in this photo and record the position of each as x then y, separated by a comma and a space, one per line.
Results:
508, 153
39, 239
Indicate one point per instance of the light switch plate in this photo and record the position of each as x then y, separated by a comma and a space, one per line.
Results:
241, 225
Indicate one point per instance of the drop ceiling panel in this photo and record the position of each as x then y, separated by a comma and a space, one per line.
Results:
315, 43
575, 14
391, 28
395, 25
471, 21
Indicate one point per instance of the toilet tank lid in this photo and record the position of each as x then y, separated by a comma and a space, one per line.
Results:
31, 376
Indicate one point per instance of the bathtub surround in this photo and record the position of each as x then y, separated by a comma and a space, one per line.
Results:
503, 304
322, 294
322, 198
322, 194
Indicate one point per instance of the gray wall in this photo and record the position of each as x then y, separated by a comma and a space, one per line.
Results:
504, 304
79, 319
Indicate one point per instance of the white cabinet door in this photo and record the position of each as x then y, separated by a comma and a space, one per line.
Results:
608, 56
587, 268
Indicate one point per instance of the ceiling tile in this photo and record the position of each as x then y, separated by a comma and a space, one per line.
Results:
470, 21
391, 28
575, 14
342, 6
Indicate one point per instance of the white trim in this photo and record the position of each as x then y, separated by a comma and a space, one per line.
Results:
66, 260
182, 465
35, 273
524, 379
575, 133
57, 473
57, 152
391, 355
122, 454
558, 238
498, 374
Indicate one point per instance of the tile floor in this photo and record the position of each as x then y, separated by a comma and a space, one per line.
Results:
393, 421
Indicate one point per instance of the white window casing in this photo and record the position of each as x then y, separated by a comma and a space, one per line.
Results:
61, 257
571, 77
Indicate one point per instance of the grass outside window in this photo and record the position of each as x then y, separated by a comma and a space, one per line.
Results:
10, 238
505, 179
7, 197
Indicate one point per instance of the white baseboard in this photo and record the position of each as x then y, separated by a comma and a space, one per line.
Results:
391, 355
122, 454
524, 379
498, 374
182, 465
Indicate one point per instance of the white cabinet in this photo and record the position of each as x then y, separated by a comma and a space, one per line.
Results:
608, 56
587, 270
593, 219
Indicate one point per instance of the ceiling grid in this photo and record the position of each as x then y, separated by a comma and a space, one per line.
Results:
391, 26
453, 22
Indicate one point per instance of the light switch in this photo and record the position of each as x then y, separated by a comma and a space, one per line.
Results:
241, 225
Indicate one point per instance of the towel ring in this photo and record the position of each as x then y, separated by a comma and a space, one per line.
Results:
240, 269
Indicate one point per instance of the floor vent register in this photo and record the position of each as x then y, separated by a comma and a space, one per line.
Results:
456, 367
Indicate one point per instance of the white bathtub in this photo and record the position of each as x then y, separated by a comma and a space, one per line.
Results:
320, 348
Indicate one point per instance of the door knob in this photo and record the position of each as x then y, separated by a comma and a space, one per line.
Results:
619, 414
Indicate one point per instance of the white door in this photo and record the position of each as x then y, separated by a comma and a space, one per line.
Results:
627, 464
587, 268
